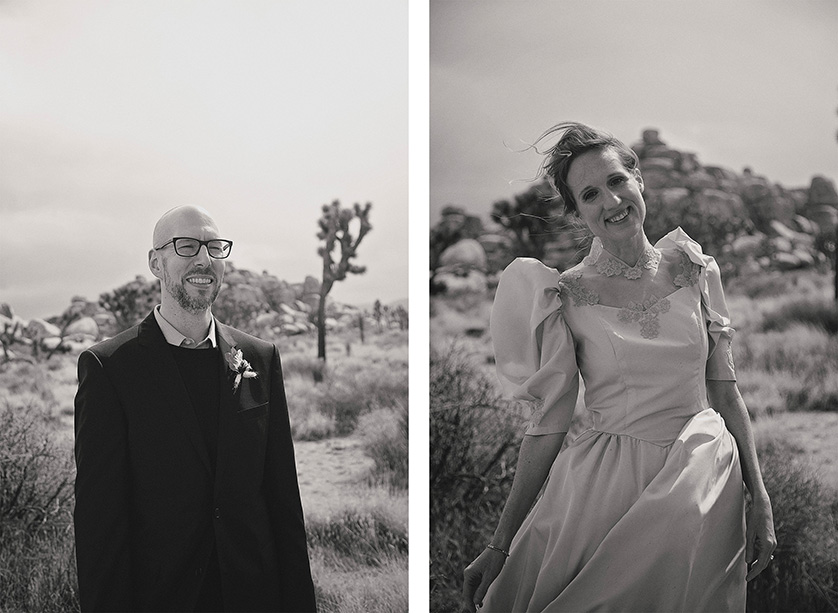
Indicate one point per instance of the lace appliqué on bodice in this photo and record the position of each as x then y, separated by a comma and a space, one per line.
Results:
689, 272
569, 284
647, 314
610, 266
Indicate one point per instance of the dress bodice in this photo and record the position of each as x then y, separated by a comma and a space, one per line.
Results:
641, 345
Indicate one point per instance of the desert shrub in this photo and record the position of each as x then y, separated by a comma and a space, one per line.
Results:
776, 283
821, 314
473, 449
797, 350
343, 403
36, 475
804, 573
28, 381
37, 568
764, 393
357, 386
790, 369
818, 392
302, 364
314, 427
366, 539
376, 378
308, 423
386, 442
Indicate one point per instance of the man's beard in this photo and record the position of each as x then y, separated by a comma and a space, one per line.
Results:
188, 303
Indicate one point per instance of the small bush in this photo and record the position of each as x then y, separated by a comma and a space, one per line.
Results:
362, 539
28, 381
357, 386
791, 369
819, 392
473, 443
305, 365
764, 394
308, 423
386, 434
821, 314
37, 475
775, 283
804, 573
37, 567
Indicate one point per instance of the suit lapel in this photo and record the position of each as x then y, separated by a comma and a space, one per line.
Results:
163, 373
243, 398
227, 401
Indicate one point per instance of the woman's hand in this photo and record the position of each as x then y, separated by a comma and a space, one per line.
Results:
760, 541
478, 576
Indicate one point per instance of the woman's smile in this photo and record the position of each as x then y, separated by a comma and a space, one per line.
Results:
618, 217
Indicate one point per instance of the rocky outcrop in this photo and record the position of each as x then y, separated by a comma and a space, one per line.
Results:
266, 306
746, 221
743, 219
462, 267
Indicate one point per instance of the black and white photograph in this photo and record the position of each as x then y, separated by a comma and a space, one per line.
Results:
633, 375
204, 306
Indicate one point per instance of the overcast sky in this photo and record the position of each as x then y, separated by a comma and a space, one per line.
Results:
739, 83
113, 112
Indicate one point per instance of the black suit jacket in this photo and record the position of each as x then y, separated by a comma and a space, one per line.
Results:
147, 507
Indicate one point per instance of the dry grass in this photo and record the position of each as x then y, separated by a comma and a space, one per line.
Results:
349, 589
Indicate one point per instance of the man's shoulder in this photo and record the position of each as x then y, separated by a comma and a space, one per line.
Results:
113, 345
126, 342
243, 339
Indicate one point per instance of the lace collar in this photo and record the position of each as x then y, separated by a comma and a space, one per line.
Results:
611, 266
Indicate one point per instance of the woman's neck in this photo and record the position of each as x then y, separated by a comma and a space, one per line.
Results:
628, 251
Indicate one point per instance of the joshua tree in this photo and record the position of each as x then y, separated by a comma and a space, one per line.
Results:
376, 313
530, 218
336, 233
131, 302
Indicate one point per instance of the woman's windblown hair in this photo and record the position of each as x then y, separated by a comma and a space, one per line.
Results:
577, 138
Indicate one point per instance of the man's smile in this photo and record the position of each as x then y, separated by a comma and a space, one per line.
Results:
200, 280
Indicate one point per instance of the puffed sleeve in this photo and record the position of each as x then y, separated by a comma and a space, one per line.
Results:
534, 351
720, 357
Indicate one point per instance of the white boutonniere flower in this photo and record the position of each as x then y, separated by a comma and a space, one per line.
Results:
240, 366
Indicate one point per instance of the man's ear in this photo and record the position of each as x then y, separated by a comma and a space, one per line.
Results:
154, 264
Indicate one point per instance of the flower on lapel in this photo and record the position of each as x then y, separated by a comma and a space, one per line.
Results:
240, 366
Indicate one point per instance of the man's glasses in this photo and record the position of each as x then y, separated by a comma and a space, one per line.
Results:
185, 247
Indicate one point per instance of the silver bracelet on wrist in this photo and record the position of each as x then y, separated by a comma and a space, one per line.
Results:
498, 549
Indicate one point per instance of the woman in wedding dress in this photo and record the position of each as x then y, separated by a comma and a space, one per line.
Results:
646, 510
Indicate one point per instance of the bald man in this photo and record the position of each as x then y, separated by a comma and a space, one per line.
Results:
186, 488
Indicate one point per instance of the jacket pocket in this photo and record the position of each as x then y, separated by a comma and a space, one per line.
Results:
253, 412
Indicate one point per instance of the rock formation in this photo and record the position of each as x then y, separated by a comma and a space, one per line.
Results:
744, 220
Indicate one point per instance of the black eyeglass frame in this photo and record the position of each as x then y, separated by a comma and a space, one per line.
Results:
201, 243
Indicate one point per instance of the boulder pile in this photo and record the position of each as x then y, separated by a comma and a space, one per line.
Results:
747, 222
